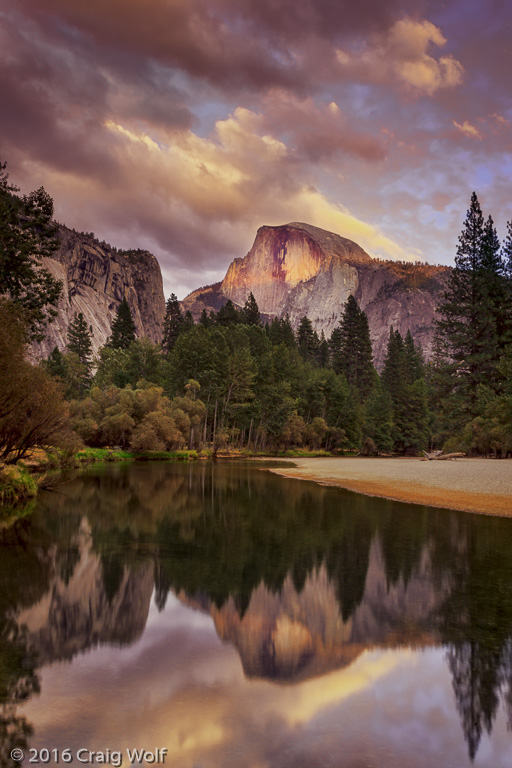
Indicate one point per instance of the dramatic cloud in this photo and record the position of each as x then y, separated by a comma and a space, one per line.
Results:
184, 125
402, 56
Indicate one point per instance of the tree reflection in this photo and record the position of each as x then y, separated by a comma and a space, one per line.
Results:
225, 537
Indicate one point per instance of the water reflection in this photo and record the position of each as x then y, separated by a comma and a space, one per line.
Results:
302, 580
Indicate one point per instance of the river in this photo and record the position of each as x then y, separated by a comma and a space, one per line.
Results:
221, 616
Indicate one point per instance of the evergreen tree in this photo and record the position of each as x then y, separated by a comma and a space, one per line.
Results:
408, 397
505, 325
378, 423
323, 351
123, 328
228, 314
415, 364
355, 358
79, 340
55, 364
251, 312
173, 324
335, 343
188, 321
307, 339
280, 331
27, 233
79, 364
467, 323
205, 320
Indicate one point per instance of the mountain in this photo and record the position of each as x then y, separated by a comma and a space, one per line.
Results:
96, 278
291, 635
298, 269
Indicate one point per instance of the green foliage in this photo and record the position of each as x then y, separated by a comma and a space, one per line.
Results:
16, 485
307, 339
27, 234
123, 328
32, 411
251, 312
407, 393
79, 360
352, 349
174, 323
229, 315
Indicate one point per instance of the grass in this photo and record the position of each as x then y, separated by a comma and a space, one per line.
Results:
16, 485
108, 454
102, 454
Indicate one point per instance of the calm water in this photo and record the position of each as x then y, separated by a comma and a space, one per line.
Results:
242, 620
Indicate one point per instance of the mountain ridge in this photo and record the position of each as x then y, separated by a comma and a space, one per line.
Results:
297, 269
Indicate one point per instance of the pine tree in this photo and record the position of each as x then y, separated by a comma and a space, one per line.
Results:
173, 324
79, 339
506, 256
408, 397
355, 357
280, 331
205, 320
123, 328
307, 339
467, 325
55, 364
28, 233
251, 312
378, 424
335, 345
80, 346
415, 365
228, 314
323, 351
188, 321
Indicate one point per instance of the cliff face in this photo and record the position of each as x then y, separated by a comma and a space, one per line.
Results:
292, 636
73, 616
95, 280
299, 270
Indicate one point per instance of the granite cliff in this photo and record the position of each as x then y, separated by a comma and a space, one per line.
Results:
298, 269
95, 279
292, 635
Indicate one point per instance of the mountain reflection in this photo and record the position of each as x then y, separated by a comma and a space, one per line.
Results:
301, 579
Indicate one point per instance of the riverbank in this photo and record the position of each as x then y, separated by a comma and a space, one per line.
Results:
471, 485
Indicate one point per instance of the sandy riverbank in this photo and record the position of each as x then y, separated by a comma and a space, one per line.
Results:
471, 485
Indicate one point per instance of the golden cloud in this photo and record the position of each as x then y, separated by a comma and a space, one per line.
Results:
468, 130
402, 56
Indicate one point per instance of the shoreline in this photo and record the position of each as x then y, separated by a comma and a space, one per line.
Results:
480, 486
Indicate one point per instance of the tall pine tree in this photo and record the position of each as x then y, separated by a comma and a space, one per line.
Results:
355, 358
467, 328
80, 345
251, 312
173, 324
123, 328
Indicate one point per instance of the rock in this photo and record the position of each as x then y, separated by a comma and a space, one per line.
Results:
298, 269
95, 280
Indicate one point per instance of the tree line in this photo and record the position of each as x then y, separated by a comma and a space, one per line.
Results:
231, 380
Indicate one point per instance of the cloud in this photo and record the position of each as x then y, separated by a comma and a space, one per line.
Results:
402, 56
468, 130
198, 201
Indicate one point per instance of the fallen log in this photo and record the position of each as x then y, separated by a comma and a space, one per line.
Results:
440, 456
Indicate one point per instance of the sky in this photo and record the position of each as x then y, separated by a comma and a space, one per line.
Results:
181, 126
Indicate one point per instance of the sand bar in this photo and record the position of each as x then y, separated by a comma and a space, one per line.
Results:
471, 485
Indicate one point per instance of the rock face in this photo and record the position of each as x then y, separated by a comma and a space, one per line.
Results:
292, 636
76, 615
298, 269
95, 280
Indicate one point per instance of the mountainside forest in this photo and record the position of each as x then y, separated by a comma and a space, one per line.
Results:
232, 381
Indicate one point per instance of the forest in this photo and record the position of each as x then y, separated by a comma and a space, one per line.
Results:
231, 381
